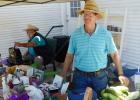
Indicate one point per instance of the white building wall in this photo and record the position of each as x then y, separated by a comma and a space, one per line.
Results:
13, 19
131, 41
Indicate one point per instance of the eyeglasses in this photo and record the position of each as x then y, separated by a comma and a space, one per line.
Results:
89, 14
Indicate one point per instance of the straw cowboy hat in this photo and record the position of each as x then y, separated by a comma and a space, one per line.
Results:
91, 5
31, 27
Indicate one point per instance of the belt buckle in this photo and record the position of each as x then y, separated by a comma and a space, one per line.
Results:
90, 74
97, 73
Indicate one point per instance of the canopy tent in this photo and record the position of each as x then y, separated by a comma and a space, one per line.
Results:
25, 2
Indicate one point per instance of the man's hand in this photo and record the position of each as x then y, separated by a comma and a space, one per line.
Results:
116, 59
18, 44
124, 80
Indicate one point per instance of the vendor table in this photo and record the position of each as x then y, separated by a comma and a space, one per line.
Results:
55, 96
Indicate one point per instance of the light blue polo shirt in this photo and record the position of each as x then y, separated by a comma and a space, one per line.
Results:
90, 52
39, 42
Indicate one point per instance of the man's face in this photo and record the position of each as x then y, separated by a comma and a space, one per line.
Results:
89, 18
30, 32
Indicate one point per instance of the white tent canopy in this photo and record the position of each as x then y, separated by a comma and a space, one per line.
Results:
25, 2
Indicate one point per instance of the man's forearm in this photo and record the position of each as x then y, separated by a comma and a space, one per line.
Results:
117, 62
67, 63
29, 44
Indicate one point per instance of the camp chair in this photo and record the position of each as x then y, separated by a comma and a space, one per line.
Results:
50, 56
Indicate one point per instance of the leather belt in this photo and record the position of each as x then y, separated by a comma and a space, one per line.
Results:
96, 73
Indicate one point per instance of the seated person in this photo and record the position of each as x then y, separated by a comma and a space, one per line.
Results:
36, 41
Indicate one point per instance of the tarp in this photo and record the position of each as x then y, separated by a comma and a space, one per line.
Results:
25, 2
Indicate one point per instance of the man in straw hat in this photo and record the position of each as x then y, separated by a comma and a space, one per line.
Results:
88, 49
35, 40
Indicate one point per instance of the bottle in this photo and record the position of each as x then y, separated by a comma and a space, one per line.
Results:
137, 80
5, 88
17, 72
1, 65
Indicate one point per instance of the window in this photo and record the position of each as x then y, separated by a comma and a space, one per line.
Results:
74, 8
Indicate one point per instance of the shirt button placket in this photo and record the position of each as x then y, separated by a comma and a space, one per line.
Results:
90, 42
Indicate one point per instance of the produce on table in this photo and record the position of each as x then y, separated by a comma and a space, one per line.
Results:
133, 95
11, 70
119, 93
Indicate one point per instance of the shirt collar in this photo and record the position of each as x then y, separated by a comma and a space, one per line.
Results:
83, 29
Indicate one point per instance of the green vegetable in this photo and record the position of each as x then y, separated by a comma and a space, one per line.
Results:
113, 92
102, 92
109, 96
105, 96
126, 93
122, 88
112, 97
133, 95
117, 92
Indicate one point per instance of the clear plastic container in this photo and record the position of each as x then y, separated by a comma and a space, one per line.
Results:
137, 80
